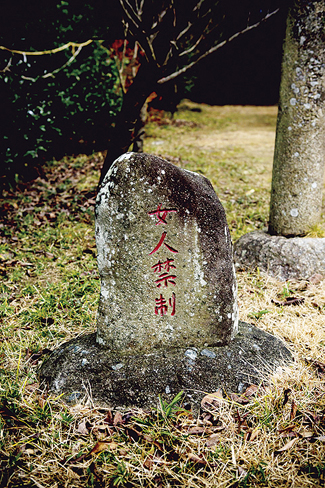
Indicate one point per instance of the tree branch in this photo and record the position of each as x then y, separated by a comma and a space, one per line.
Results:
50, 51
183, 70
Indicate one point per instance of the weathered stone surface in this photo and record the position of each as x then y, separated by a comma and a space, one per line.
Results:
164, 258
82, 368
298, 168
281, 257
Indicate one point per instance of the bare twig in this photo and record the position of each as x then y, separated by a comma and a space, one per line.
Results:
130, 13
190, 49
7, 68
213, 49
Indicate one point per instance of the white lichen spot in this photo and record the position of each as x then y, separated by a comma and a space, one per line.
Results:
307, 106
314, 185
167, 389
293, 101
208, 353
101, 341
302, 40
126, 237
125, 157
162, 171
149, 190
289, 128
117, 366
120, 216
104, 293
191, 353
294, 212
296, 155
84, 361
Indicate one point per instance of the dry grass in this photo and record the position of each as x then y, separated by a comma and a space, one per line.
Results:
273, 435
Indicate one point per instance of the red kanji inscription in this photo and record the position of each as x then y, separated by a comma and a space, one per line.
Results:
171, 249
161, 214
166, 265
165, 278
172, 303
161, 307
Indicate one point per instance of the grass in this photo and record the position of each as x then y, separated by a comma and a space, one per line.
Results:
274, 435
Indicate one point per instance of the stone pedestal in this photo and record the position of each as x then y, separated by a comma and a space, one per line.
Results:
281, 257
168, 316
81, 369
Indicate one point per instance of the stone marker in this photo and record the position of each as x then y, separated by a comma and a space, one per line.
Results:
164, 258
167, 318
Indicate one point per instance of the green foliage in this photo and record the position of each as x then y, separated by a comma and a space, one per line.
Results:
48, 115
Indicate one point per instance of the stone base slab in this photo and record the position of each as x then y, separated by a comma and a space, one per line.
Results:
284, 258
82, 368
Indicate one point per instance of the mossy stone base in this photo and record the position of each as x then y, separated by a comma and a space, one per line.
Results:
81, 367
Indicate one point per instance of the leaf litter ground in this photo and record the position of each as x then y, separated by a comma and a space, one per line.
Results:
271, 435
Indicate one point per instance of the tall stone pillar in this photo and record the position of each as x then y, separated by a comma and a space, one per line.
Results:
298, 168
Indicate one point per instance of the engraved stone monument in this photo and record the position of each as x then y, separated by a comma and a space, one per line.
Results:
167, 318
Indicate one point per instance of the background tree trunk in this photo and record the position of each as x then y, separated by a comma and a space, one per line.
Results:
126, 123
298, 168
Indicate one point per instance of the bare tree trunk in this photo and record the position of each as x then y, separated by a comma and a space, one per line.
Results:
298, 168
125, 128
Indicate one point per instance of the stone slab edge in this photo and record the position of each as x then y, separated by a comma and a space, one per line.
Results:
284, 258
81, 368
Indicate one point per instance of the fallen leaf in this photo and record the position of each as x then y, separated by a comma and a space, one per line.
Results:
288, 301
316, 278
251, 390
241, 472
306, 434
254, 434
288, 445
31, 388
101, 446
196, 459
197, 430
212, 440
82, 429
286, 396
118, 419
148, 438
148, 463
212, 400
293, 411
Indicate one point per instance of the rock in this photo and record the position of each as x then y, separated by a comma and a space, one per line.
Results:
164, 258
167, 317
281, 257
81, 368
